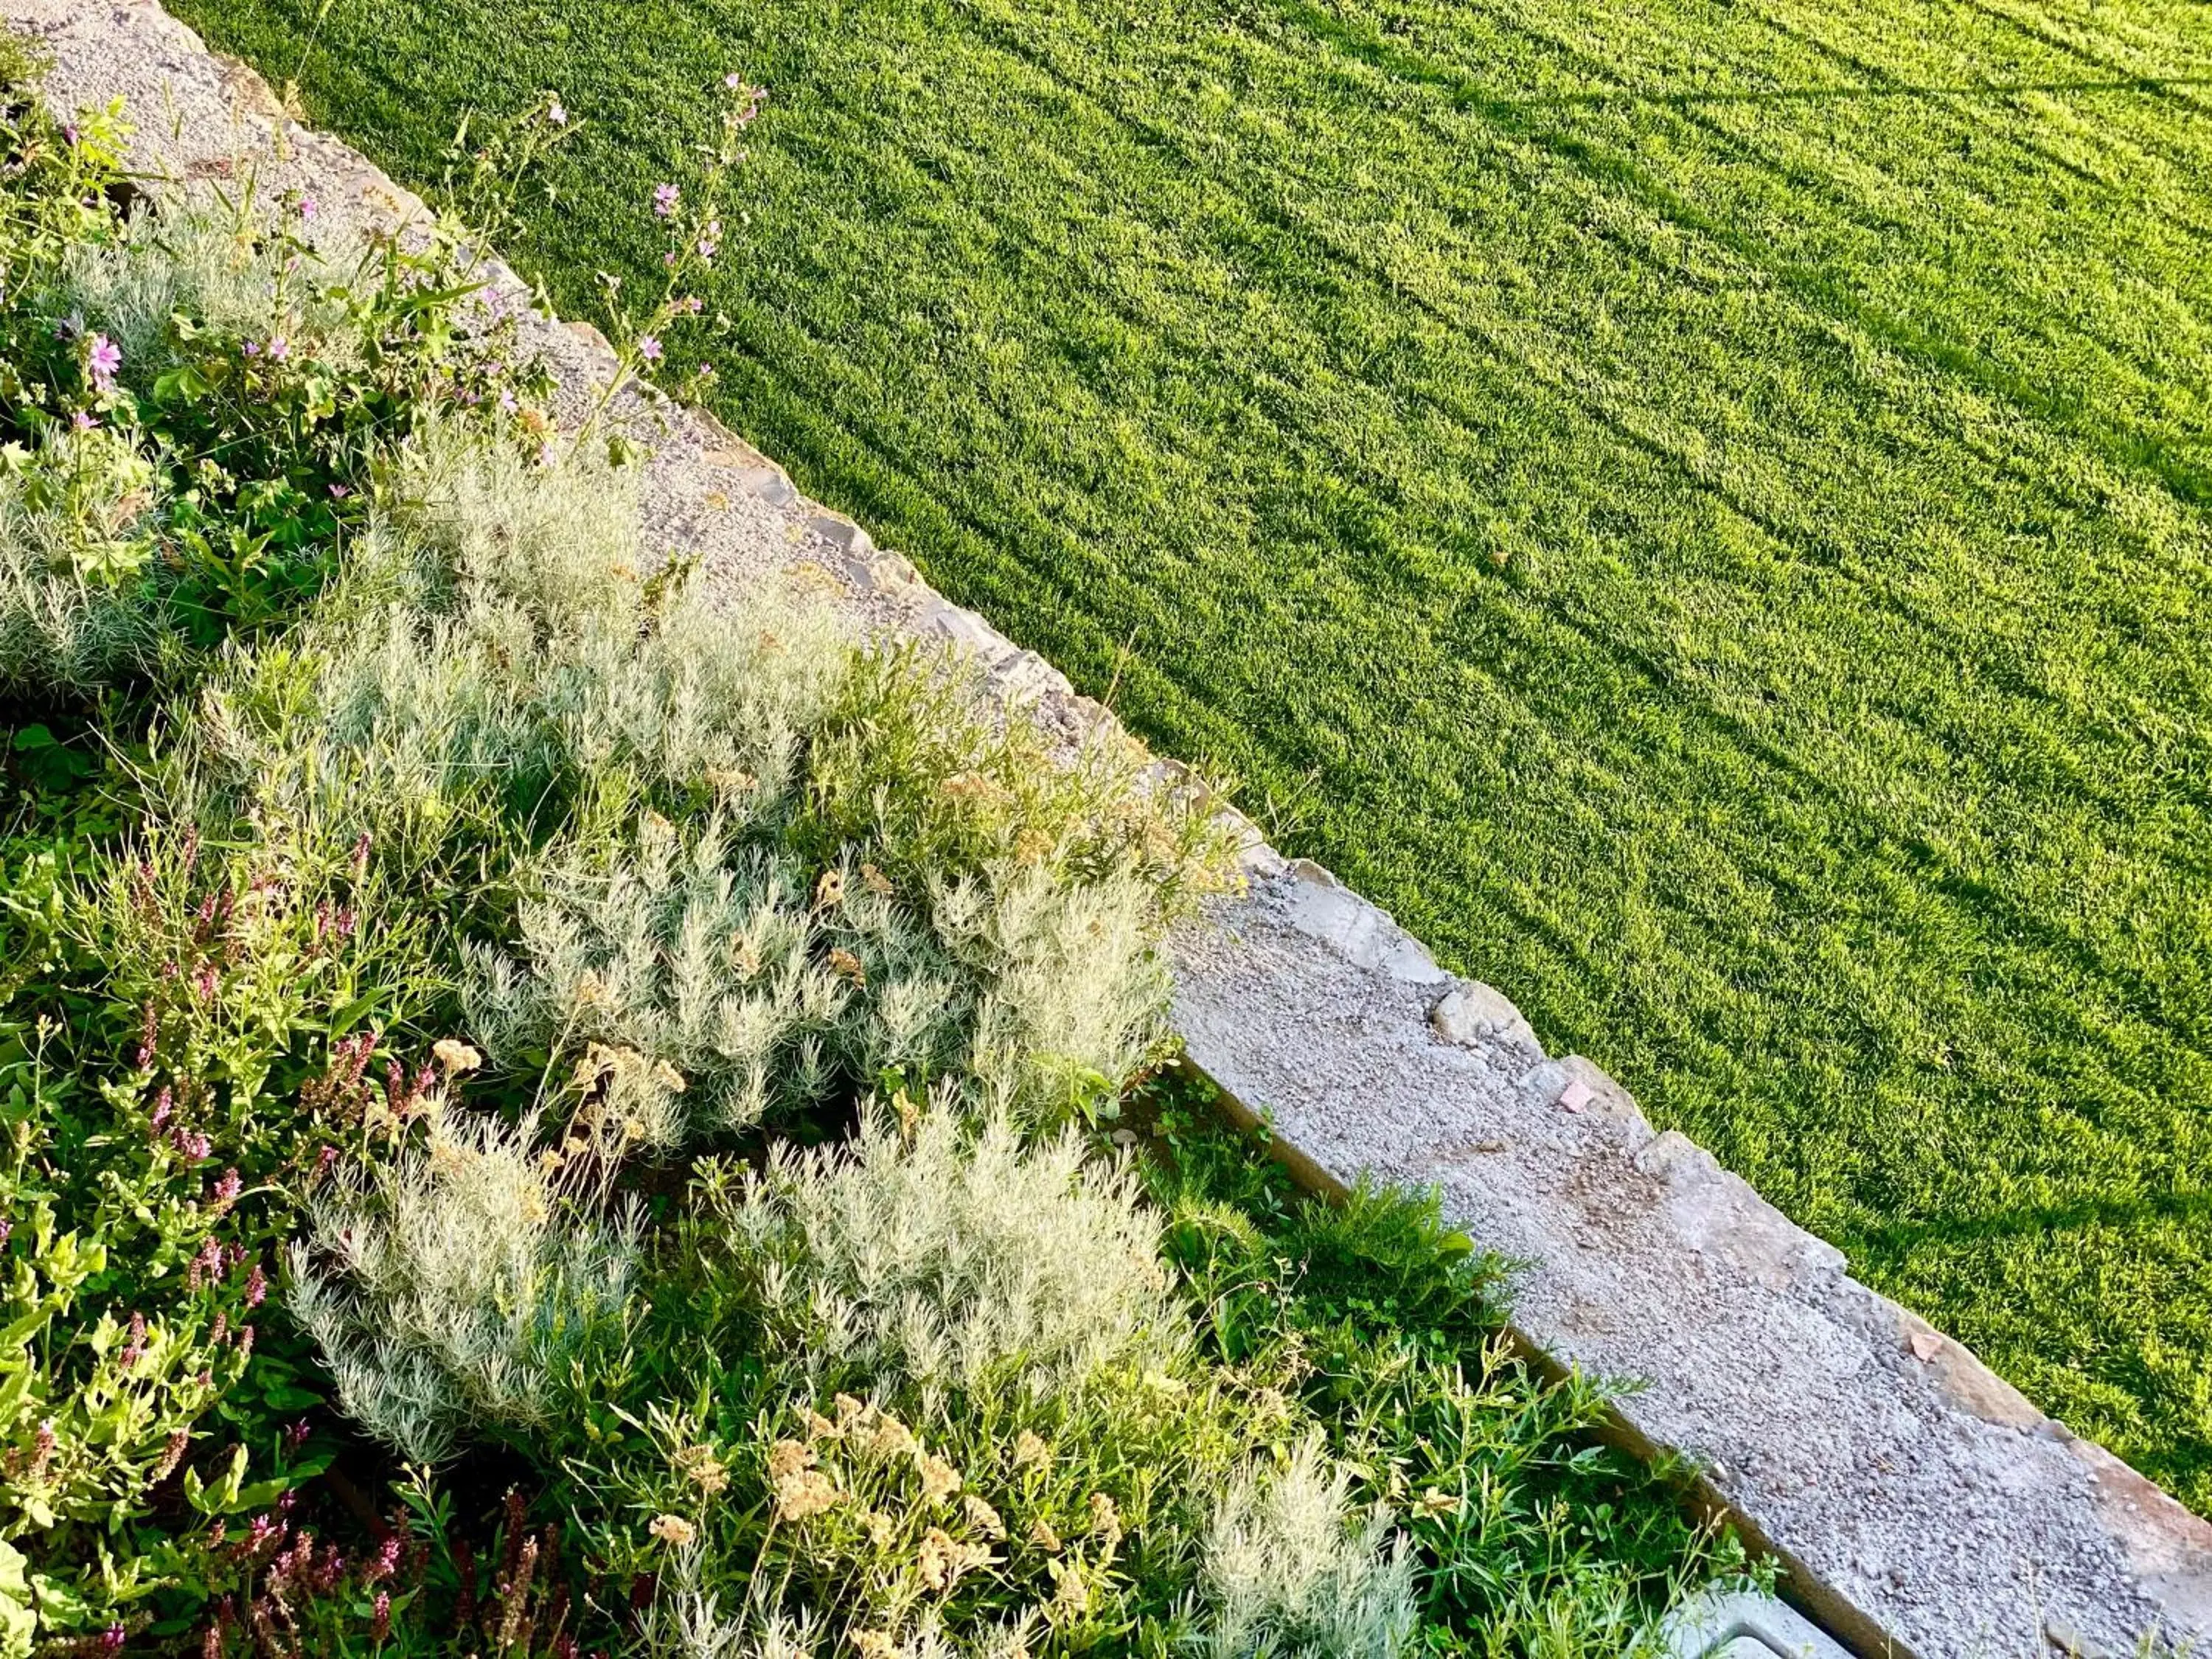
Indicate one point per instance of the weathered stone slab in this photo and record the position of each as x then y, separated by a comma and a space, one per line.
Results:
1921, 1505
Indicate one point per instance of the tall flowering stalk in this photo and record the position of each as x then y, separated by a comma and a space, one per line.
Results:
694, 217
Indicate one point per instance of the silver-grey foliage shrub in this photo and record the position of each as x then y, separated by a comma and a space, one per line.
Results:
456, 1284
724, 965
1289, 1573
212, 261
927, 1251
81, 597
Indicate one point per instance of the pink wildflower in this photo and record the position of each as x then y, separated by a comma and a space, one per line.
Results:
102, 360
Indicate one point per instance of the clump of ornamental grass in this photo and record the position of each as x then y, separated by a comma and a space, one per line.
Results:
1291, 1573
458, 1284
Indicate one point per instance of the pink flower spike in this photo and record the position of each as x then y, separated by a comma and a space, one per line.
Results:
339, 492
665, 199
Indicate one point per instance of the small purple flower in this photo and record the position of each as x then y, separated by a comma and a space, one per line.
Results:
507, 402
665, 199
252, 348
706, 371
557, 114
734, 81
279, 348
339, 492
68, 134
649, 348
309, 208
103, 358
84, 422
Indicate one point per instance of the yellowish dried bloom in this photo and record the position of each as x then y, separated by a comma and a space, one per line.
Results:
875, 881
1070, 1592
944, 1559
1029, 1449
830, 891
892, 1438
849, 1410
819, 1427
789, 1457
805, 1492
879, 1526
1042, 1535
1434, 1502
1105, 1519
873, 1645
982, 1517
845, 965
939, 1478
701, 1466
672, 1530
458, 1058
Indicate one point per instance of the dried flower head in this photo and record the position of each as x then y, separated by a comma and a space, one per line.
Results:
1029, 1449
940, 1479
789, 1457
700, 1465
982, 1517
805, 1492
458, 1058
672, 1530
943, 1560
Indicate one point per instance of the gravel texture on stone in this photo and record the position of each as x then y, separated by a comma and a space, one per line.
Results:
1922, 1505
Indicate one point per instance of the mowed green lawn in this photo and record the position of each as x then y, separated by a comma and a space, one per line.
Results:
1700, 507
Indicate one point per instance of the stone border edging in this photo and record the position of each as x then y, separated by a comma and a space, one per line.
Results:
1920, 1505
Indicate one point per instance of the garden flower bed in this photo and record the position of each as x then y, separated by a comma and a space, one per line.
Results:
555, 1109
